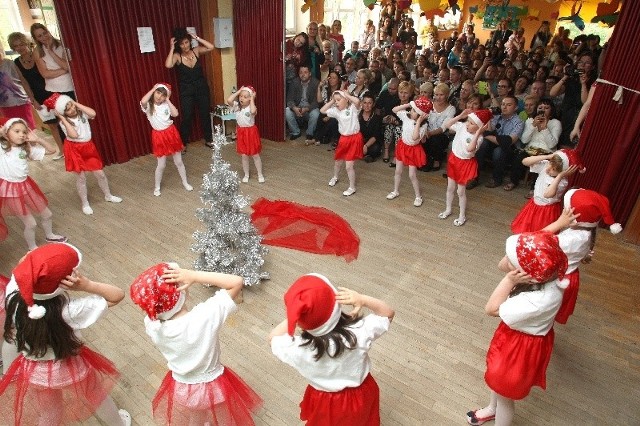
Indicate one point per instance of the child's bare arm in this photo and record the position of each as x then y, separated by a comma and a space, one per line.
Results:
232, 97
401, 107
502, 291
78, 282
473, 145
33, 139
530, 161
187, 277
552, 189
279, 330
346, 296
70, 128
144, 102
90, 112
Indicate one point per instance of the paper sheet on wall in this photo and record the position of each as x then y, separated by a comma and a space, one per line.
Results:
145, 40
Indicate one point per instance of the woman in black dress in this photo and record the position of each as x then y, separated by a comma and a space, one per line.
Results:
193, 88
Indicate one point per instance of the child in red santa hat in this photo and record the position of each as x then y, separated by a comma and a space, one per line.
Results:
55, 378
584, 209
80, 153
462, 166
332, 351
248, 144
545, 205
198, 389
165, 139
527, 301
408, 149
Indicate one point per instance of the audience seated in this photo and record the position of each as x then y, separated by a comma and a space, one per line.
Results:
302, 104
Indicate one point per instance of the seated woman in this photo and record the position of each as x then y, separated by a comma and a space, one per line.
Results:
541, 135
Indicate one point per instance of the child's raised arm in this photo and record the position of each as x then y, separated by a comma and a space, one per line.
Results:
566, 219
450, 122
90, 112
401, 107
232, 97
78, 282
70, 128
49, 147
552, 189
279, 330
502, 291
144, 102
346, 296
328, 105
353, 99
530, 161
186, 277
473, 145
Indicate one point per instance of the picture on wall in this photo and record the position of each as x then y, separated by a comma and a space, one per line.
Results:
494, 14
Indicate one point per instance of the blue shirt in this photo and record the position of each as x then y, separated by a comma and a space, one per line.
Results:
512, 126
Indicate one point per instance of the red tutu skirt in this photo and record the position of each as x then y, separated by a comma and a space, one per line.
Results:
349, 407
248, 140
81, 157
349, 147
225, 401
517, 361
462, 171
58, 391
166, 142
305, 228
533, 217
410, 155
21, 198
569, 297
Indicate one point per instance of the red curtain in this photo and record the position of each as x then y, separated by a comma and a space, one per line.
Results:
258, 31
609, 142
109, 72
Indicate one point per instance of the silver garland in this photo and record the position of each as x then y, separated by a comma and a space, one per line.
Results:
230, 243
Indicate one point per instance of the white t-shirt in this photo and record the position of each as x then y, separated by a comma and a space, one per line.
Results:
461, 141
14, 166
82, 126
161, 118
437, 119
190, 343
407, 128
348, 123
543, 181
533, 312
62, 83
546, 139
576, 244
244, 118
333, 374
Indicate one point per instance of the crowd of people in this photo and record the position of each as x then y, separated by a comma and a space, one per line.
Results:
385, 97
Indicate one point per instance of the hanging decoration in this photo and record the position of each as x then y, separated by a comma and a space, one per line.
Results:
575, 15
607, 13
307, 5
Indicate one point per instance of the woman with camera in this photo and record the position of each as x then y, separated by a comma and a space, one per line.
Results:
540, 137
575, 85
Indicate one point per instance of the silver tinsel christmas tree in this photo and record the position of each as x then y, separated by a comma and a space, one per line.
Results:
230, 243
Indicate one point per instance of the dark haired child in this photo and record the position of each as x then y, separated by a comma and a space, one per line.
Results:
56, 379
526, 300
545, 206
332, 350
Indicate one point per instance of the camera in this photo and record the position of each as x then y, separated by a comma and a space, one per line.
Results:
495, 110
572, 71
539, 113
344, 77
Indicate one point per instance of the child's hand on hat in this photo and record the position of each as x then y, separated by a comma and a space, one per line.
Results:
75, 282
177, 275
568, 217
349, 297
519, 277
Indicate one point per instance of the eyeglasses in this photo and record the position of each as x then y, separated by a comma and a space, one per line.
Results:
502, 86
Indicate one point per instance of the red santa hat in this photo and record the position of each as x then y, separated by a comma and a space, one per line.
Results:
39, 273
249, 89
159, 299
570, 157
481, 117
57, 102
6, 123
311, 303
166, 87
422, 105
538, 254
592, 207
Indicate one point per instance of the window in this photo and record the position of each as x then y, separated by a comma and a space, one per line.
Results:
290, 18
9, 21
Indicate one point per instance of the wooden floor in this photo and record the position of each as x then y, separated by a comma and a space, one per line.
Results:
430, 365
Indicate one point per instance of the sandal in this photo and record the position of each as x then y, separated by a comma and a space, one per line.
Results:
509, 186
444, 215
459, 222
58, 239
474, 420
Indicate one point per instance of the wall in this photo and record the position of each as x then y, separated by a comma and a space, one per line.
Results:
228, 55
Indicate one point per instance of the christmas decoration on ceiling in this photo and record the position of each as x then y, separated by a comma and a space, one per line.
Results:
307, 4
575, 15
607, 13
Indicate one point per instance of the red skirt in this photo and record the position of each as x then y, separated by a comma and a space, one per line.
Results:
410, 155
349, 147
248, 140
81, 157
533, 217
21, 198
462, 171
569, 297
227, 400
166, 142
57, 391
517, 361
349, 407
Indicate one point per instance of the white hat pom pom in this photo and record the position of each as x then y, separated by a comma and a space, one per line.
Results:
36, 311
616, 228
563, 283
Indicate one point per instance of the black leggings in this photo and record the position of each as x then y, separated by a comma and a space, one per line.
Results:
191, 96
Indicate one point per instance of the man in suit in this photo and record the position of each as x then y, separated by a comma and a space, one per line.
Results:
302, 104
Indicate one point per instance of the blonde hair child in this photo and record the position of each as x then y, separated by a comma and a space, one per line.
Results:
248, 142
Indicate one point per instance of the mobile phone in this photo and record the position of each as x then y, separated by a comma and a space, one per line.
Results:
483, 87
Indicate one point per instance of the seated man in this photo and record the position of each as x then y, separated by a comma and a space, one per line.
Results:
302, 104
504, 132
